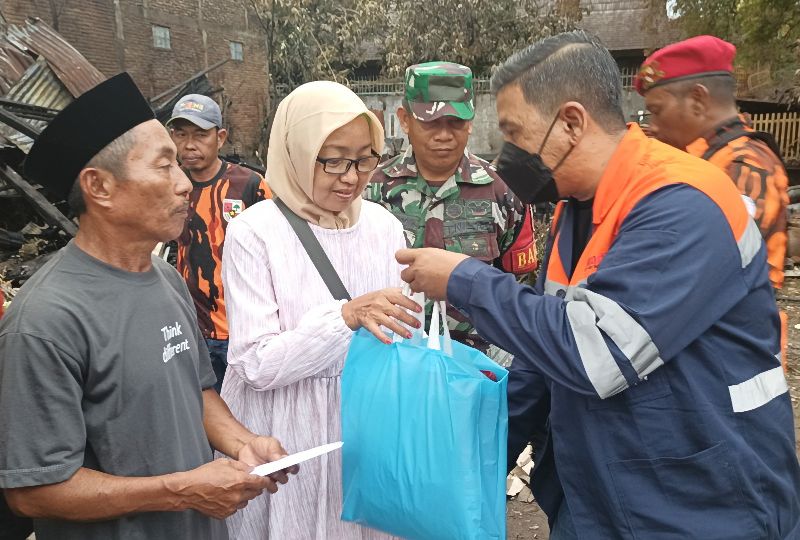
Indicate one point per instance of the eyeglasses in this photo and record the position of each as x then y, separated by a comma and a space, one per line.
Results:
342, 165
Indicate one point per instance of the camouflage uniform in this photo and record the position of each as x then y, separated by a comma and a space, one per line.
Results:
472, 212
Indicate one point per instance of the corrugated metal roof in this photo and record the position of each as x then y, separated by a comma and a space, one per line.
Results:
38, 86
39, 67
13, 64
72, 69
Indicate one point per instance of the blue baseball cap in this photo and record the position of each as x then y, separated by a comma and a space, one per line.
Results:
200, 110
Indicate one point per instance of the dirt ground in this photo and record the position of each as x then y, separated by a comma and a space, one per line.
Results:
527, 521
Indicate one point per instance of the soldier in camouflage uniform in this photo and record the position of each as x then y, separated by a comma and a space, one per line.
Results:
444, 196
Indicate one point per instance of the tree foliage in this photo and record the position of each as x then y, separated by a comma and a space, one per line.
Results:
327, 39
313, 39
771, 33
475, 33
316, 39
766, 32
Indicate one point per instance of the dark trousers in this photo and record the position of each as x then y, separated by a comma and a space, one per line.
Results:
13, 527
563, 527
218, 350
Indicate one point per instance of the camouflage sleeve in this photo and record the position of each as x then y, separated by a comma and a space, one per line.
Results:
373, 192
514, 212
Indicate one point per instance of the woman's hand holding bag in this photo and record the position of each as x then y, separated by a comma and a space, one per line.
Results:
387, 308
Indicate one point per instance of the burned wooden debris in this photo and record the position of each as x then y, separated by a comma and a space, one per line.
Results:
41, 73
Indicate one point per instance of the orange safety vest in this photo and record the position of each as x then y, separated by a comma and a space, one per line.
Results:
630, 176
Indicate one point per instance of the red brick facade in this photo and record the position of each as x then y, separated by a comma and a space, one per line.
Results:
117, 35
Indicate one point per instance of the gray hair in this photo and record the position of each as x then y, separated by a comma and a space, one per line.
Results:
572, 66
112, 159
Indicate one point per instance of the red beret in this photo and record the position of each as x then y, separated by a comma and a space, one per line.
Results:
697, 56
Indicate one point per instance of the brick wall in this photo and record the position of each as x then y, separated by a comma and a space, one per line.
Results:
117, 35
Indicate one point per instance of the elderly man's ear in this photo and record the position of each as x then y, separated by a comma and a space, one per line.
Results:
98, 186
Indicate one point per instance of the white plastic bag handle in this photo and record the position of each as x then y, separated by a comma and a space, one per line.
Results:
440, 312
438, 316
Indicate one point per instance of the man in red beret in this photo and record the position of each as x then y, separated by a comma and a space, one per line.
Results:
690, 92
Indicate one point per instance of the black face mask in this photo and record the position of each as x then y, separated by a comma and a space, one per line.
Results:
526, 174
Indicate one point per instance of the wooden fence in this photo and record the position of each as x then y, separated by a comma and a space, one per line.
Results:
785, 127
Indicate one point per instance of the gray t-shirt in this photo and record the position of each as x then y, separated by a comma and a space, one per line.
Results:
103, 368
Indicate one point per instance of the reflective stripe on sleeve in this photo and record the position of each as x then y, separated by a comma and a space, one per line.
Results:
628, 335
552, 287
601, 368
749, 243
760, 390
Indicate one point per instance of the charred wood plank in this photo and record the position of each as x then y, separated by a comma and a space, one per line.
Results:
28, 111
18, 123
50, 213
11, 240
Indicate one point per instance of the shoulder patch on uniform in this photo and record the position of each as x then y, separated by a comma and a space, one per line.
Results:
232, 208
480, 177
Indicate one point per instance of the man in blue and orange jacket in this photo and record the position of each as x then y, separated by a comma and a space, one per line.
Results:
647, 357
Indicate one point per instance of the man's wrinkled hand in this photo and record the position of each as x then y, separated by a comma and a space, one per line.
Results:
220, 488
429, 270
262, 450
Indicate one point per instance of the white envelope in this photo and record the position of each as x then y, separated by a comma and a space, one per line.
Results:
294, 459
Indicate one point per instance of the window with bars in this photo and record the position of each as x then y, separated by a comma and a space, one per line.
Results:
161, 37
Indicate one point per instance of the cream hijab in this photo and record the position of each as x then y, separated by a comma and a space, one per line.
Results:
304, 120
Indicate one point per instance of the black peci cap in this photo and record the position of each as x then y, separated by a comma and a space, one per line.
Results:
82, 129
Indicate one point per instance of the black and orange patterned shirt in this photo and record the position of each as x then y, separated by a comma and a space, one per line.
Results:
759, 174
212, 205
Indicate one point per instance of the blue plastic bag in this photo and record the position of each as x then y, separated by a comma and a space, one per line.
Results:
424, 434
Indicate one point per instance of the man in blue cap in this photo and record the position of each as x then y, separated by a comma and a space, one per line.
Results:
221, 190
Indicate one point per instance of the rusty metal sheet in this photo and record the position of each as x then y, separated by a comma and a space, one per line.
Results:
13, 64
69, 65
38, 86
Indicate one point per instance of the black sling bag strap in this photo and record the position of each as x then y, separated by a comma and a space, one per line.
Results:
315, 252
720, 142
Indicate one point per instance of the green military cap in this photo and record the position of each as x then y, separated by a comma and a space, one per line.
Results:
437, 89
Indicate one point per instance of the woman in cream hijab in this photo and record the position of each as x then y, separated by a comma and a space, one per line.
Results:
288, 336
